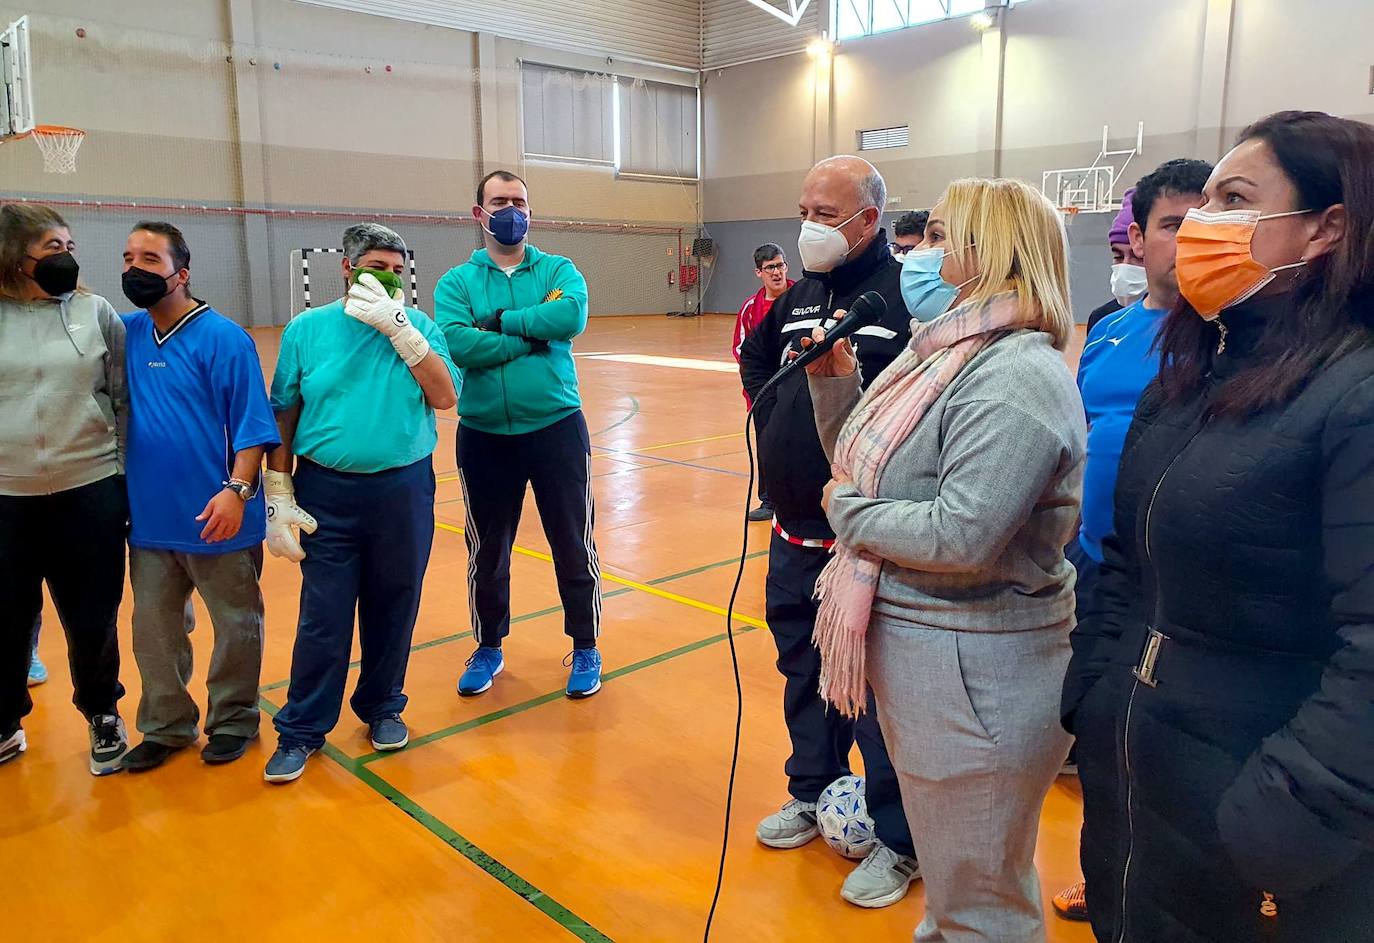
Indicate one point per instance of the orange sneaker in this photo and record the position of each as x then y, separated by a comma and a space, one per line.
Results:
1072, 903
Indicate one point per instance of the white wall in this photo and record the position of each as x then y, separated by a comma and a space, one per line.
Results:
1312, 55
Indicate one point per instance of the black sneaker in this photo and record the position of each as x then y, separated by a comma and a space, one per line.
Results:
764, 512
109, 743
147, 755
225, 748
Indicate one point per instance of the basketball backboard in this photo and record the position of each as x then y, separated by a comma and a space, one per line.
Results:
1093, 189
16, 104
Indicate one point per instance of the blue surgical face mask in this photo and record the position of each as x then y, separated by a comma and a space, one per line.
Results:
508, 226
926, 293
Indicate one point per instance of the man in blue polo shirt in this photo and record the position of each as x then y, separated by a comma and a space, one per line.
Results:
199, 422
1119, 359
355, 391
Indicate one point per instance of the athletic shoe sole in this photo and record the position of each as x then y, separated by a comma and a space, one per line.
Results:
219, 759
35, 682
145, 766
108, 767
14, 746
290, 777
786, 844
388, 747
583, 695
887, 900
465, 692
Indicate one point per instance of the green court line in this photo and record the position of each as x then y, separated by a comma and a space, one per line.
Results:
552, 696
634, 411
551, 908
457, 637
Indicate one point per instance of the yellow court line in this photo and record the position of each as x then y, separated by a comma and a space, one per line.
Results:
669, 445
642, 587
440, 481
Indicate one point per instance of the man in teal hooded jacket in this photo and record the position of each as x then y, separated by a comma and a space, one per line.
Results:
510, 314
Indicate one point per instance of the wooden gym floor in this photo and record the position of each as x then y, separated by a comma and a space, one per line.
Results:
518, 815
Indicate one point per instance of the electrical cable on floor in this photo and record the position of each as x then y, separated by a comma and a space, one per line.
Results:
734, 655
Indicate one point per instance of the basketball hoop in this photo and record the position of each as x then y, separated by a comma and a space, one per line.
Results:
58, 146
1070, 214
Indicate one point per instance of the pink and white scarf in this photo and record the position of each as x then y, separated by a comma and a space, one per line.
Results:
879, 424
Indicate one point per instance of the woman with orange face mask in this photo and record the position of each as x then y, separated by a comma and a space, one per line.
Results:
1230, 646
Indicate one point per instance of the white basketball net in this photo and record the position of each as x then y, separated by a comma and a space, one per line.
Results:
58, 147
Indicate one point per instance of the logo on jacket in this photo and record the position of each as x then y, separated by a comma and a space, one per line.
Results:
553, 295
802, 312
1268, 908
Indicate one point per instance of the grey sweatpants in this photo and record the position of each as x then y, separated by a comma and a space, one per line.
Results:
162, 581
972, 722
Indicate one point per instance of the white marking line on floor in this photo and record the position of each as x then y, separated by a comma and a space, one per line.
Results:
677, 363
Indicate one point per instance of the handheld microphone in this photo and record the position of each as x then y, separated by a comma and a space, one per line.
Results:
868, 308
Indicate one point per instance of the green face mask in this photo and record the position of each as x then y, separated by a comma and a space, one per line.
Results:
390, 280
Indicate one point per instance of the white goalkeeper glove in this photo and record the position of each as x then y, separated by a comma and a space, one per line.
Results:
282, 515
369, 303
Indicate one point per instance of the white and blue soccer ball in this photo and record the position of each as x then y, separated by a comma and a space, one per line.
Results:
842, 814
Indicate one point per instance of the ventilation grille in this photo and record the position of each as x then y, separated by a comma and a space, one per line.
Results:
878, 138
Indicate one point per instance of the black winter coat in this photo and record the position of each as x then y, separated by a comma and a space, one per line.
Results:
1227, 762
794, 467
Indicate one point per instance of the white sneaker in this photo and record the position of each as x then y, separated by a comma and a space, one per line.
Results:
881, 879
790, 827
109, 743
13, 745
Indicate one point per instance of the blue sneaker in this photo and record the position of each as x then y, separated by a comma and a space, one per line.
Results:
37, 672
287, 763
483, 667
388, 733
585, 679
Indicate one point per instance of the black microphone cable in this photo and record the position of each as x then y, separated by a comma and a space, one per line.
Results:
734, 654
870, 307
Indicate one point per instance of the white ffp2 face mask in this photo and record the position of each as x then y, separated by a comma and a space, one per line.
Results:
823, 247
1128, 283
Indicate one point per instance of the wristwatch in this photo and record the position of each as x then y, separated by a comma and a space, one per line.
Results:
240, 487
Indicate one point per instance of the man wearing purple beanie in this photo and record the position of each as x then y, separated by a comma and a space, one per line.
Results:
1128, 272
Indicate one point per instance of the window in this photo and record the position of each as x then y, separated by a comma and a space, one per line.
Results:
568, 116
878, 138
658, 129
854, 18
637, 127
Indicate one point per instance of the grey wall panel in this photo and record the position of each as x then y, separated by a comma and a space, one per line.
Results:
737, 31
1089, 260
663, 31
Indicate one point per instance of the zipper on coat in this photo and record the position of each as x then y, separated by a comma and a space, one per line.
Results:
1154, 639
505, 393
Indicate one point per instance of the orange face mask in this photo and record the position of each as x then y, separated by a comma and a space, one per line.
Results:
1215, 267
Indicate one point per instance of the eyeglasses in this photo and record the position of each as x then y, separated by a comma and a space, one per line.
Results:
900, 249
773, 268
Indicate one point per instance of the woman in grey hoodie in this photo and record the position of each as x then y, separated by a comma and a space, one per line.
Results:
63, 508
957, 483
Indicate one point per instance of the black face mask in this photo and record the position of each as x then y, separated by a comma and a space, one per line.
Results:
56, 274
145, 288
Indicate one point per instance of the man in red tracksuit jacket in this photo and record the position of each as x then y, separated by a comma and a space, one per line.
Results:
770, 265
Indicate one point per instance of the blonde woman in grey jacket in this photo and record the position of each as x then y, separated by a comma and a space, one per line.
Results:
63, 508
957, 482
